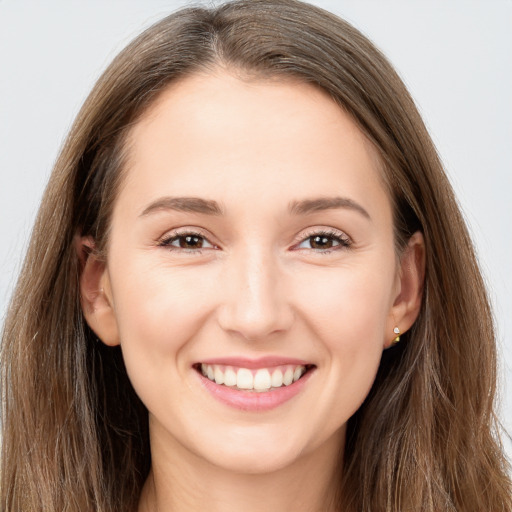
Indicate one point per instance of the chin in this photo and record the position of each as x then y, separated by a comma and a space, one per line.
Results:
260, 452
255, 462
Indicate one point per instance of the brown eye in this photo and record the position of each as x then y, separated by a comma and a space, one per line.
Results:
190, 241
325, 242
321, 242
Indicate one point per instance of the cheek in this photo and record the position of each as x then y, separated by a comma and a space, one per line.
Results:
348, 312
158, 311
348, 307
157, 305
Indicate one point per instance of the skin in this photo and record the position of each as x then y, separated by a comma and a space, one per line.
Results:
259, 286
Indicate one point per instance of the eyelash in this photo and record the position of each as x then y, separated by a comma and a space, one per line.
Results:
166, 242
343, 240
337, 236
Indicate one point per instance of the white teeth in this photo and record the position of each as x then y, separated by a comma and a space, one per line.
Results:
219, 375
229, 377
288, 377
244, 379
277, 379
263, 379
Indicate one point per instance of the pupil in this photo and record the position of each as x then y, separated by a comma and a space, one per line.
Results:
190, 241
321, 242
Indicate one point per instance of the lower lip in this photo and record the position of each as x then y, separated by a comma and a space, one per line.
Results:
254, 401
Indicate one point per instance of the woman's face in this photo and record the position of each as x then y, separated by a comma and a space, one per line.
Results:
252, 235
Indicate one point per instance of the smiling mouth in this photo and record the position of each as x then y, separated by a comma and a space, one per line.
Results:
253, 380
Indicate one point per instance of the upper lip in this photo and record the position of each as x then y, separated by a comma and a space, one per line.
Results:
261, 362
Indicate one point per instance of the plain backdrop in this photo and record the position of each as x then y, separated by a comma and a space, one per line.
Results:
455, 57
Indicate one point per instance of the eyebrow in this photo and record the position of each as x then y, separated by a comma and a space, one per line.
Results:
210, 207
184, 204
306, 206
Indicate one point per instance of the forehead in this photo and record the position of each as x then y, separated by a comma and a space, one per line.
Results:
216, 134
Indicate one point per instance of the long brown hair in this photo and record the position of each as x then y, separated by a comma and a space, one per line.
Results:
75, 435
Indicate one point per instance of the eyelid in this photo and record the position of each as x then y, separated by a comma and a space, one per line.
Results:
345, 240
166, 239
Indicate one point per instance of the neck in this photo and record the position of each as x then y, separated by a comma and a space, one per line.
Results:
180, 481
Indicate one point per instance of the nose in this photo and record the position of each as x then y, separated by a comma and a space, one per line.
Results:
254, 301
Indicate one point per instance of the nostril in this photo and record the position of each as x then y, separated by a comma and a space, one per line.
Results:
255, 315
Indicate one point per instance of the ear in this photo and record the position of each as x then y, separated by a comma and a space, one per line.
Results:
408, 289
95, 292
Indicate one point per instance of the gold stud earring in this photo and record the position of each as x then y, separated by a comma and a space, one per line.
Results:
396, 330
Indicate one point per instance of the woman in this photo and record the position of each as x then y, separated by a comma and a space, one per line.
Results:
250, 286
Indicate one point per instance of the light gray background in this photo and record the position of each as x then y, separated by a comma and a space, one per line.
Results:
455, 57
